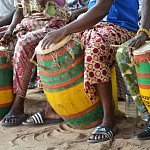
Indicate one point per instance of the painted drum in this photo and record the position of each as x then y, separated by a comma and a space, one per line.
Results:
141, 58
61, 72
6, 82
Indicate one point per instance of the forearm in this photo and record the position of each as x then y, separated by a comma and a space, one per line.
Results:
18, 16
7, 19
80, 10
90, 18
145, 15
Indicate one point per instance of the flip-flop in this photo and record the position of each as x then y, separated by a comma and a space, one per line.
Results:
38, 119
20, 119
103, 130
143, 135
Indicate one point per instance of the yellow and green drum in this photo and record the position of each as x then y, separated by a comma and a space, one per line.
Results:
142, 61
6, 81
61, 72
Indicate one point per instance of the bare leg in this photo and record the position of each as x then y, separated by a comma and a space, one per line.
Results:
105, 92
17, 109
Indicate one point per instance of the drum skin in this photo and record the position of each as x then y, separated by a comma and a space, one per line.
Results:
6, 82
142, 60
62, 80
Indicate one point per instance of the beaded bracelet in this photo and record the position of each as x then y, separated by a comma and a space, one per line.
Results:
144, 30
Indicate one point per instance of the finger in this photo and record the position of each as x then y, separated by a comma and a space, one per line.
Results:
44, 43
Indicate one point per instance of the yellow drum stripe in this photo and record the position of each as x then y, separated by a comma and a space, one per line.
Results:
73, 100
145, 93
6, 96
114, 87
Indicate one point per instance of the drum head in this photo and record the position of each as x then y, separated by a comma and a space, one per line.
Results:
145, 48
52, 47
2, 48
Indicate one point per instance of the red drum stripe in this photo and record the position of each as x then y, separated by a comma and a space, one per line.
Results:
142, 58
83, 112
6, 88
62, 70
5, 66
49, 56
61, 51
5, 105
143, 75
55, 86
144, 86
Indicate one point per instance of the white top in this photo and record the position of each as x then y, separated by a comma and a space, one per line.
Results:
145, 48
6, 6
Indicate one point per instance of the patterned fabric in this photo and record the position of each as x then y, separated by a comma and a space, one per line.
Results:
129, 74
99, 56
57, 9
121, 87
24, 51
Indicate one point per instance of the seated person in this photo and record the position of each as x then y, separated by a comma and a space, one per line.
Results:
97, 36
128, 68
38, 21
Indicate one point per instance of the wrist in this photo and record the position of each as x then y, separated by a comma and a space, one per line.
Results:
144, 32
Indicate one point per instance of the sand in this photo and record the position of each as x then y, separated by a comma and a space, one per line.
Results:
62, 137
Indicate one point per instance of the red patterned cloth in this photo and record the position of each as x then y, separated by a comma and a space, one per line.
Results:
99, 56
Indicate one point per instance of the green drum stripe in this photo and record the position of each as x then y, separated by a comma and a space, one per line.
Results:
4, 111
65, 87
144, 81
6, 72
63, 77
63, 60
143, 68
3, 60
87, 118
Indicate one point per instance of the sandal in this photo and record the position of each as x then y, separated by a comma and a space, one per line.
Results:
103, 130
19, 118
143, 135
38, 119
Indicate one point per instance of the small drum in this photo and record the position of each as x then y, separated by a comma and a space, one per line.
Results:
6, 82
141, 57
61, 72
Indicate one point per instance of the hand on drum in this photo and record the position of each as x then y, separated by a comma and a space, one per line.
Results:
137, 41
52, 37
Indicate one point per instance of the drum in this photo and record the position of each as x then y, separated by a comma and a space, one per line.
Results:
61, 72
141, 58
6, 82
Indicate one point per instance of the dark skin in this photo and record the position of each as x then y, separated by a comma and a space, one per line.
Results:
89, 19
16, 18
6, 20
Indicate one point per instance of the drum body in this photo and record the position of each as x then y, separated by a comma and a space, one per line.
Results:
142, 59
61, 72
6, 82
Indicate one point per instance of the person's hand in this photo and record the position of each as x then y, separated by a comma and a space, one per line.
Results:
7, 36
52, 37
137, 41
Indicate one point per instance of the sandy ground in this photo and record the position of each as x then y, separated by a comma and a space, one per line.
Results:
62, 137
